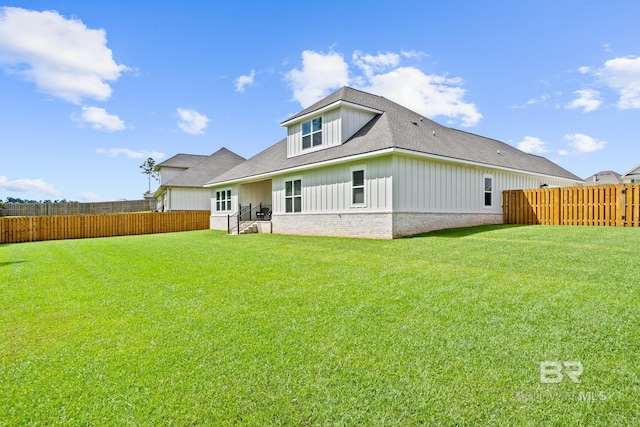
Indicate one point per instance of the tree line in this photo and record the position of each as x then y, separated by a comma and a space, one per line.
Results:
19, 200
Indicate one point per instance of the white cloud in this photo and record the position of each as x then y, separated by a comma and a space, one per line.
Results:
243, 81
131, 154
413, 54
91, 197
623, 75
532, 145
584, 143
190, 121
431, 95
587, 99
563, 152
62, 57
544, 97
28, 186
371, 64
428, 94
320, 74
99, 119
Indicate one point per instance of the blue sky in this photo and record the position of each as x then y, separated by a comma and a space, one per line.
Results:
90, 89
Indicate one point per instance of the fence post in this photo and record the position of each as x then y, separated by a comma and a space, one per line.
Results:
505, 210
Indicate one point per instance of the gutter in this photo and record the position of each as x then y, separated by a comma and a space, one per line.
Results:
379, 153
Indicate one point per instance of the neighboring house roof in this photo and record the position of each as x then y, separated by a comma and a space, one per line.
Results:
603, 178
181, 161
207, 169
634, 171
396, 128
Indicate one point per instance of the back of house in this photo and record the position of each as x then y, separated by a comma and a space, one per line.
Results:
357, 164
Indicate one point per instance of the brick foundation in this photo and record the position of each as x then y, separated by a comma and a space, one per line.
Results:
373, 225
365, 225
409, 223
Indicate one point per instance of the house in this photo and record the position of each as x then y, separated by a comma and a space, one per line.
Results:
182, 179
604, 178
632, 177
357, 164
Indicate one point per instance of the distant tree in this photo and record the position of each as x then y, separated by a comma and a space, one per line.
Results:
18, 200
148, 168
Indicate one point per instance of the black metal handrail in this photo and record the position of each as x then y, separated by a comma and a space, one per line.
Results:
248, 214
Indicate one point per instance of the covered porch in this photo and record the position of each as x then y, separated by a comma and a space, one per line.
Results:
254, 209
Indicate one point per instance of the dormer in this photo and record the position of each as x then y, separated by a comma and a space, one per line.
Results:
326, 127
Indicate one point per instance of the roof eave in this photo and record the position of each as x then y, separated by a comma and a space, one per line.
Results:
333, 105
377, 153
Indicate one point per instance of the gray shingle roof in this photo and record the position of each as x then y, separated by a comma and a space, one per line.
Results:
401, 128
604, 177
207, 169
182, 161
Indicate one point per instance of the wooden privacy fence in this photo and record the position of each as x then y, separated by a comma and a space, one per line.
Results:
598, 205
58, 227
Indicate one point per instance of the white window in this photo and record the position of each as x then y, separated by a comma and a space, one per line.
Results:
488, 191
293, 195
223, 200
312, 133
357, 186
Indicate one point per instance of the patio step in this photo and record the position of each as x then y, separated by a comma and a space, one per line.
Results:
251, 228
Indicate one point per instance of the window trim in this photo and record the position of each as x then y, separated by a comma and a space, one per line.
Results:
353, 169
227, 201
293, 196
485, 192
311, 133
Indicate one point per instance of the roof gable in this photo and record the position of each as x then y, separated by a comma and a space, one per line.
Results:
634, 171
207, 169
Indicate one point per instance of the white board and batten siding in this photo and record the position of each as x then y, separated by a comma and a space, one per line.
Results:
432, 186
328, 189
168, 173
187, 199
419, 185
338, 125
255, 193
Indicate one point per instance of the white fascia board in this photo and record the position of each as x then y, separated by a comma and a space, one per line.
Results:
331, 106
384, 152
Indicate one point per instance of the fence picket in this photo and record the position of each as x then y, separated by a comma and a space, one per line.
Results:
58, 227
603, 205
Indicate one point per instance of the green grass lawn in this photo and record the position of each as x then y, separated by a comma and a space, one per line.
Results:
201, 328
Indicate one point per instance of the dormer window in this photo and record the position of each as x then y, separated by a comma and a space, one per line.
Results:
312, 133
